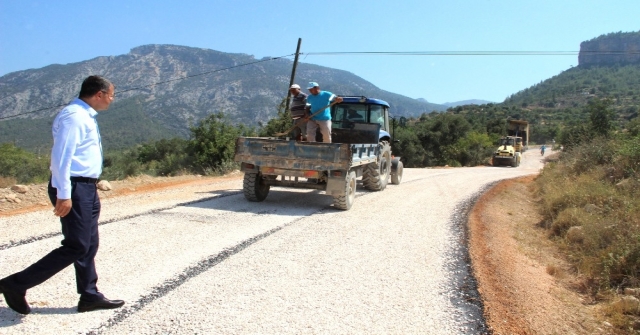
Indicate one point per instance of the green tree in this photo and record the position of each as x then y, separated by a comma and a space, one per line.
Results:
166, 157
439, 135
24, 166
544, 133
574, 136
497, 126
118, 165
600, 116
213, 143
474, 149
634, 127
408, 147
279, 124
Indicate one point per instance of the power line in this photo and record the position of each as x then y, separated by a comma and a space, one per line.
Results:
471, 53
374, 53
160, 83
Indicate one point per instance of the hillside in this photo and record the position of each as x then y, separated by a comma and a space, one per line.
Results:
562, 99
609, 68
163, 89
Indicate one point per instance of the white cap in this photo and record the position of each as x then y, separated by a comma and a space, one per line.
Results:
295, 86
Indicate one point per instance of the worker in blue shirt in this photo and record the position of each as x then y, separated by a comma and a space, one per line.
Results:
317, 100
76, 164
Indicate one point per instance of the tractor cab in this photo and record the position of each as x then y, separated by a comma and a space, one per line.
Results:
354, 112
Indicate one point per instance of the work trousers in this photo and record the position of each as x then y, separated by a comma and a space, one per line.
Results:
300, 129
325, 130
79, 246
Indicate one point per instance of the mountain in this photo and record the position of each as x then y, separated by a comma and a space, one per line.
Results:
467, 102
163, 89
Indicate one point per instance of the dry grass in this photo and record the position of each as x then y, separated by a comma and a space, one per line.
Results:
7, 181
523, 279
590, 203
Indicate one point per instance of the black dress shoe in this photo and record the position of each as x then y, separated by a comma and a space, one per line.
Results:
88, 306
15, 300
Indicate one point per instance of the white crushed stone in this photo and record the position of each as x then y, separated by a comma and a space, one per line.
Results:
380, 268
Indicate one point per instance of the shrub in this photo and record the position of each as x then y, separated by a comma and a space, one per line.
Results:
627, 159
566, 219
213, 142
23, 166
580, 189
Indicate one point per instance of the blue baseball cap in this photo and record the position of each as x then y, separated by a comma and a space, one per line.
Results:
312, 85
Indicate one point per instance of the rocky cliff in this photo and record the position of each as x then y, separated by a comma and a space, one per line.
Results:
611, 49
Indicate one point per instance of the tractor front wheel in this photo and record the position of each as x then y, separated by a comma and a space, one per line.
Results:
396, 176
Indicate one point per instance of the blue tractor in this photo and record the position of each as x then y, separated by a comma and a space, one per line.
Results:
355, 110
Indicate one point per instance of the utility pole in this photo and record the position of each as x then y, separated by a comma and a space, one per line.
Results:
293, 73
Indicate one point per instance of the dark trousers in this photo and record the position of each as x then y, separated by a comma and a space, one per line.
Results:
79, 246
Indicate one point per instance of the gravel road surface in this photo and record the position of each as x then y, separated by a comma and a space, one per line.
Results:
202, 259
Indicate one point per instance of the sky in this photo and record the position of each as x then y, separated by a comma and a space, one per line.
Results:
34, 34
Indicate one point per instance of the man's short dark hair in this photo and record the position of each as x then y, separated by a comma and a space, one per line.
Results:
93, 85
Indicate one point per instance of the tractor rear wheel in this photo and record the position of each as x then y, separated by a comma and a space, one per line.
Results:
376, 175
254, 187
345, 201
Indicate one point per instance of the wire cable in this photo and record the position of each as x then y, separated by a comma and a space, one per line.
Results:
373, 53
471, 53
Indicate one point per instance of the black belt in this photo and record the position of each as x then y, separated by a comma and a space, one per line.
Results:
85, 180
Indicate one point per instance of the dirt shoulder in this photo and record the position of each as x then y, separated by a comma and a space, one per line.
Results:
36, 197
524, 284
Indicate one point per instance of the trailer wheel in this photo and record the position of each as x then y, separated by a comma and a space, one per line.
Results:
396, 177
376, 175
345, 201
254, 187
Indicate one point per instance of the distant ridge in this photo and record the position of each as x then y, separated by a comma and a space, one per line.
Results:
468, 102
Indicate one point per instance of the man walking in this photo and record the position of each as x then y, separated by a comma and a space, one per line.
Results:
298, 111
76, 164
322, 120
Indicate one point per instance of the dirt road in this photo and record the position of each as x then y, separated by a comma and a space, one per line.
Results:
201, 259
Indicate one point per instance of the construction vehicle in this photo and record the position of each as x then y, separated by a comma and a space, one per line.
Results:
519, 145
506, 154
519, 129
361, 148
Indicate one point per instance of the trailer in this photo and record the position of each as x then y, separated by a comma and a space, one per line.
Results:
361, 149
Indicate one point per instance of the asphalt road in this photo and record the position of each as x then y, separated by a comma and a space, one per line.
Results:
204, 260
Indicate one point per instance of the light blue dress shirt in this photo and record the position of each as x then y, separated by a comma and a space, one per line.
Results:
77, 151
